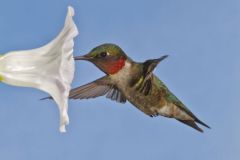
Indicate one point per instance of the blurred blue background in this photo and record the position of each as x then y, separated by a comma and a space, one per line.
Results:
203, 41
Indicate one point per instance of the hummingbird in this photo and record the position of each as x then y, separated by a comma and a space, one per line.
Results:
127, 80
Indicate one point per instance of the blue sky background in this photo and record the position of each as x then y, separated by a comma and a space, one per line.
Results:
203, 41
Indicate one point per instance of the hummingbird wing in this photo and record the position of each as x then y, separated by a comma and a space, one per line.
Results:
146, 81
151, 64
97, 88
116, 95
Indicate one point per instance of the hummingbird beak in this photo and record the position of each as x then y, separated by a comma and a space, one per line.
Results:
85, 57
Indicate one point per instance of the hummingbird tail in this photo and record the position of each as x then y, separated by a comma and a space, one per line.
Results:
191, 124
200, 122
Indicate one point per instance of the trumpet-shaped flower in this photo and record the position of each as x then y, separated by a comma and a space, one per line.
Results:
49, 68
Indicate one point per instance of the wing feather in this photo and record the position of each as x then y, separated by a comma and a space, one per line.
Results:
148, 66
97, 88
115, 95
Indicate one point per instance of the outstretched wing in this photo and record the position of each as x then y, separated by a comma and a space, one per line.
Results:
145, 83
93, 89
97, 88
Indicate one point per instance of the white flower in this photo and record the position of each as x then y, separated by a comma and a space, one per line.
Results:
49, 68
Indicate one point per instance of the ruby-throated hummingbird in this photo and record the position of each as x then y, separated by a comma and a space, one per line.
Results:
135, 82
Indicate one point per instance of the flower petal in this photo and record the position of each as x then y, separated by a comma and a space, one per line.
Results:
49, 68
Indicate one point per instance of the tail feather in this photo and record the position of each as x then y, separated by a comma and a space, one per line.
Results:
202, 123
191, 124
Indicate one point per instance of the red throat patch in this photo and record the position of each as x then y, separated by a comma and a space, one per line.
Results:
116, 65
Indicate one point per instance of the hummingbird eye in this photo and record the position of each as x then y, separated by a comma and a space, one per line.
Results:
103, 54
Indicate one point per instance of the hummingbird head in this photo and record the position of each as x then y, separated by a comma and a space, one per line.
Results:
110, 58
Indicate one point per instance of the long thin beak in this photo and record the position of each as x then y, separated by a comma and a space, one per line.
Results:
82, 58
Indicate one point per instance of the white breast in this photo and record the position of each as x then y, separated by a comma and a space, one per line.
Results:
123, 75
